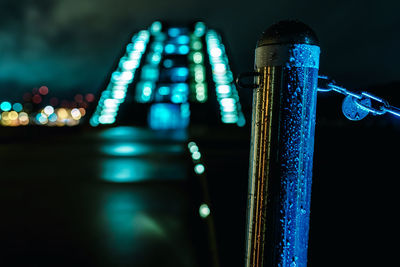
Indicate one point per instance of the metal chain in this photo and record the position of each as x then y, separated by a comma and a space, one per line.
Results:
378, 105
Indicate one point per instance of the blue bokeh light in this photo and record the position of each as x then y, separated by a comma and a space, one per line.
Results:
166, 116
5, 106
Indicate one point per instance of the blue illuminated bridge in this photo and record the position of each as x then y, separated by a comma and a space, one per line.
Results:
175, 76
128, 184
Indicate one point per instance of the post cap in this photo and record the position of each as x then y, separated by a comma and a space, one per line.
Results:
288, 32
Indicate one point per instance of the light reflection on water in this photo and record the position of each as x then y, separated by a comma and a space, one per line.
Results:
127, 149
132, 154
145, 226
136, 133
128, 170
125, 220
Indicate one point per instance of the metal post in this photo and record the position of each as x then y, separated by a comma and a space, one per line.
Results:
282, 144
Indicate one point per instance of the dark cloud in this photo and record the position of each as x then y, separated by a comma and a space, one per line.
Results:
72, 45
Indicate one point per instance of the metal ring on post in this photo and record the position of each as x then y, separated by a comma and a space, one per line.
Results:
247, 75
325, 83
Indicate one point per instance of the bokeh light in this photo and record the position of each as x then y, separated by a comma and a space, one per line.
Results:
43, 90
5, 106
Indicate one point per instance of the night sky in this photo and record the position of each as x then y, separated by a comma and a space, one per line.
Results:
71, 46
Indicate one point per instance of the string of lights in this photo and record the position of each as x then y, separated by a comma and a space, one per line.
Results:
227, 95
115, 94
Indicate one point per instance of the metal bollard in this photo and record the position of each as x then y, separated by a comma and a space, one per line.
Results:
282, 144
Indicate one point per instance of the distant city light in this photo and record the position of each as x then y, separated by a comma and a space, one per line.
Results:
17, 107
76, 114
48, 110
43, 90
13, 115
62, 113
36, 99
5, 106
23, 118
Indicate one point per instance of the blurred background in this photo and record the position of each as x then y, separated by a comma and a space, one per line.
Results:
136, 188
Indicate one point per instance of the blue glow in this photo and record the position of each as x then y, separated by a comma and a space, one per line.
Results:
168, 63
164, 90
174, 32
115, 92
144, 91
17, 107
352, 111
155, 27
119, 220
107, 119
42, 119
199, 168
133, 149
204, 211
170, 48
121, 170
137, 169
5, 106
183, 49
222, 76
165, 116
297, 127
224, 89
194, 148
180, 93
150, 73
178, 98
179, 74
197, 45
127, 64
53, 117
139, 46
125, 149
180, 87
157, 47
215, 52
199, 29
185, 113
182, 40
118, 94
94, 121
121, 132
191, 144
156, 58
196, 155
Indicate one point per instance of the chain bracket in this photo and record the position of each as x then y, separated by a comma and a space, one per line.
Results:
363, 101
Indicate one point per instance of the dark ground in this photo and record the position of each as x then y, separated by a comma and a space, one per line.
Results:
59, 207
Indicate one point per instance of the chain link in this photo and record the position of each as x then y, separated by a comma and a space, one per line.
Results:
379, 106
